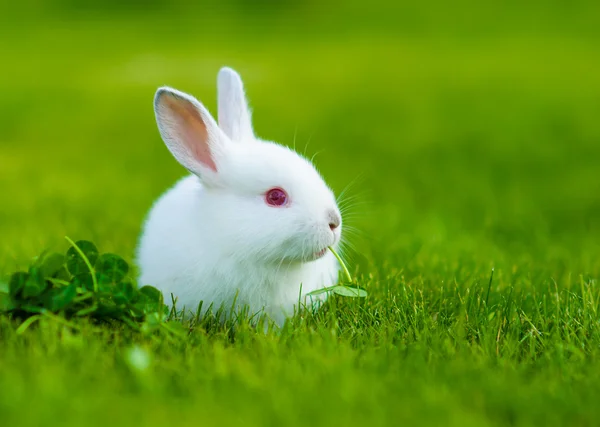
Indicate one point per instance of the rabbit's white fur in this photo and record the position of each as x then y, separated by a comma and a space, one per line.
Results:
212, 237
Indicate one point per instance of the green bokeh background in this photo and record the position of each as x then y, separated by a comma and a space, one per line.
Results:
470, 127
468, 133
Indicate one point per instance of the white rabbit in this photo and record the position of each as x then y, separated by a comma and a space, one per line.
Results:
251, 225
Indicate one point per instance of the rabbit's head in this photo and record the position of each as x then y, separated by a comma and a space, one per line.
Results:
259, 200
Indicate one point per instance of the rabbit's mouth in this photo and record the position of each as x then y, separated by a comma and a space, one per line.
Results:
320, 253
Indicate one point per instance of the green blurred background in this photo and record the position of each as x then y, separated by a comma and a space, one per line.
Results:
470, 130
468, 133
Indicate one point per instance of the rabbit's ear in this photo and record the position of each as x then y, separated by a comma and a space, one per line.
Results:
234, 113
189, 131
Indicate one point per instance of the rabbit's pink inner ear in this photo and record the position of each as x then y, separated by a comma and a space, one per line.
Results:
192, 130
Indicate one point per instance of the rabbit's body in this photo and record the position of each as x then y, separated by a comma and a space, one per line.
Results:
251, 224
217, 272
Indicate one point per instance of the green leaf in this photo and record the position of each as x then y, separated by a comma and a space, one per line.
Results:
64, 297
75, 263
35, 284
137, 311
87, 310
111, 268
84, 281
321, 291
84, 296
58, 283
17, 283
63, 274
32, 289
152, 321
124, 293
52, 264
36, 275
151, 293
150, 301
350, 291
84, 284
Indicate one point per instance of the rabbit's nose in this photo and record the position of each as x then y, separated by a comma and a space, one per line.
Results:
334, 219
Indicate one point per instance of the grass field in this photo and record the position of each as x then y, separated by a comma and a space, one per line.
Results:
470, 139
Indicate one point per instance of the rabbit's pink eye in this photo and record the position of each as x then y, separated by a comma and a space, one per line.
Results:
276, 197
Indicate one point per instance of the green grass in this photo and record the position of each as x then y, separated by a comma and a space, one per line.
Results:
471, 142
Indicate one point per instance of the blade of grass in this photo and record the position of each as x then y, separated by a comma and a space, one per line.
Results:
344, 268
